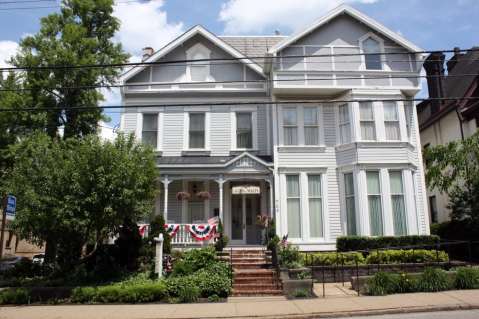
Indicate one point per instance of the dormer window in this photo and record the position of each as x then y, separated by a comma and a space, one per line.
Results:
198, 71
372, 54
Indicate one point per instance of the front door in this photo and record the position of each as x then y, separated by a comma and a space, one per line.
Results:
244, 230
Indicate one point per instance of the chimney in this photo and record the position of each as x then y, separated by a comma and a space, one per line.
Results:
453, 60
434, 66
147, 52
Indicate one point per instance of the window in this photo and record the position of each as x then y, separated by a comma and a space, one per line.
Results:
315, 206
197, 130
149, 133
344, 124
366, 118
433, 209
244, 130
350, 204
372, 57
293, 206
311, 126
397, 203
374, 203
391, 121
290, 126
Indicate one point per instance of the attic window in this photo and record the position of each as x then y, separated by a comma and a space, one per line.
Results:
198, 71
372, 54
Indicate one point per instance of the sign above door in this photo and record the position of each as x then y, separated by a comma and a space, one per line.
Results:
245, 190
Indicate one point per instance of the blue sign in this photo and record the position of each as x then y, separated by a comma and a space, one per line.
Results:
11, 206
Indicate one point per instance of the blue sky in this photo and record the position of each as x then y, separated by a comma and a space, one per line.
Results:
431, 24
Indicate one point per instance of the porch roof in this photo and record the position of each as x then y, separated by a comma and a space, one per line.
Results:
175, 161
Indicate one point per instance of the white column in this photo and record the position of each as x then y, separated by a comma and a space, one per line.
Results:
220, 182
165, 182
271, 198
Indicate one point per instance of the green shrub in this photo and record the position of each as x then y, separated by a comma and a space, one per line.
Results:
406, 256
328, 259
194, 260
290, 257
16, 296
432, 280
467, 278
214, 298
301, 293
83, 294
304, 275
188, 293
222, 240
352, 243
405, 283
382, 283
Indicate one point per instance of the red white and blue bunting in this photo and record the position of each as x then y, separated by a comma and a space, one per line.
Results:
201, 232
172, 229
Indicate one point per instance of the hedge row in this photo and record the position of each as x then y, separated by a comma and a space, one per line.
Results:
375, 257
431, 280
352, 243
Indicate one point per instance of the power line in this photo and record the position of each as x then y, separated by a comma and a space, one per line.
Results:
43, 109
189, 61
51, 7
25, 1
147, 84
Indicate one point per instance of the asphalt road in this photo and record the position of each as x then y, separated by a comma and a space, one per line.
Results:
462, 314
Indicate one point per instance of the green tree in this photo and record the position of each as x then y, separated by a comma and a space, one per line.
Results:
453, 169
75, 192
81, 34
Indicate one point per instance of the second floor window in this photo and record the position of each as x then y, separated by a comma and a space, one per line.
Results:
149, 133
391, 121
290, 126
344, 124
372, 57
311, 126
244, 130
197, 130
366, 117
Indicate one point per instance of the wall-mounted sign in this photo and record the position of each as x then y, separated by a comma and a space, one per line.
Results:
245, 190
11, 207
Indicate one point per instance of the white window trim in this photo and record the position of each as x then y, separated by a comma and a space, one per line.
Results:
186, 132
342, 193
403, 194
383, 195
352, 133
306, 219
300, 127
384, 65
159, 137
254, 123
190, 53
400, 121
373, 120
301, 207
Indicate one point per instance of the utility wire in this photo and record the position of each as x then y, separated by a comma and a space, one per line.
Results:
159, 84
43, 109
49, 7
25, 1
189, 61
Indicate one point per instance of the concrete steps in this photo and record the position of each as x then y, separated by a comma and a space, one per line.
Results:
253, 275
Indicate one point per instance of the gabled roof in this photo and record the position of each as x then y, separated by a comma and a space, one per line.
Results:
345, 9
198, 29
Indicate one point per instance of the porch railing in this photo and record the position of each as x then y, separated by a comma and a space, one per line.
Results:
184, 237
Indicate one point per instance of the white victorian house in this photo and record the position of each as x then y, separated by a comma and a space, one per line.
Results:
295, 127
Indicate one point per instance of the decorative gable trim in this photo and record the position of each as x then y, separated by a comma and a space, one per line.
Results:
184, 37
247, 160
345, 9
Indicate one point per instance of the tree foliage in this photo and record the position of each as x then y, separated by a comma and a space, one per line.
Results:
77, 191
81, 34
454, 169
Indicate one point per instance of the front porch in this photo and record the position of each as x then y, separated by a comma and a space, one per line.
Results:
235, 194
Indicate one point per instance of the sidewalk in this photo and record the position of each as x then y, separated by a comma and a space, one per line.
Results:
339, 301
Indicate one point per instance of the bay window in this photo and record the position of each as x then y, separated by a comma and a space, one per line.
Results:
244, 130
315, 206
351, 228
344, 124
391, 120
367, 124
149, 133
196, 130
397, 203
293, 202
290, 126
374, 203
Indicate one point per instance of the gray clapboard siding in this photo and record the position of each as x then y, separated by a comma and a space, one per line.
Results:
129, 122
173, 133
262, 127
334, 208
329, 122
220, 133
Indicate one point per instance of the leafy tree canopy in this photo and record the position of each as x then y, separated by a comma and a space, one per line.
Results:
81, 34
77, 191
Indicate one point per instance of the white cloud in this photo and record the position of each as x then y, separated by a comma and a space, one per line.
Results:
7, 50
144, 24
242, 16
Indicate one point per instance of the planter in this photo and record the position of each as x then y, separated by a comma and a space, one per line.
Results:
291, 284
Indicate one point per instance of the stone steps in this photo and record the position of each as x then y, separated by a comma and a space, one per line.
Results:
256, 293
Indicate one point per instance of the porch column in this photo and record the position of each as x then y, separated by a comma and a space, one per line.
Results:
271, 197
220, 182
165, 182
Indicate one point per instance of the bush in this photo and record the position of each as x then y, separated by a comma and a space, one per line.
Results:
328, 259
290, 257
194, 260
406, 256
214, 298
83, 294
222, 240
301, 293
382, 283
467, 278
211, 283
352, 243
17, 296
188, 294
433, 280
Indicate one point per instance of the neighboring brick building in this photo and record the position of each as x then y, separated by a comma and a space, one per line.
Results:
441, 122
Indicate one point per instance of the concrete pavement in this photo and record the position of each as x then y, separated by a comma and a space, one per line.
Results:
339, 301
460, 314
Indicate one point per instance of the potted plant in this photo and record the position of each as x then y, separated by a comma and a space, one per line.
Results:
203, 195
183, 196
